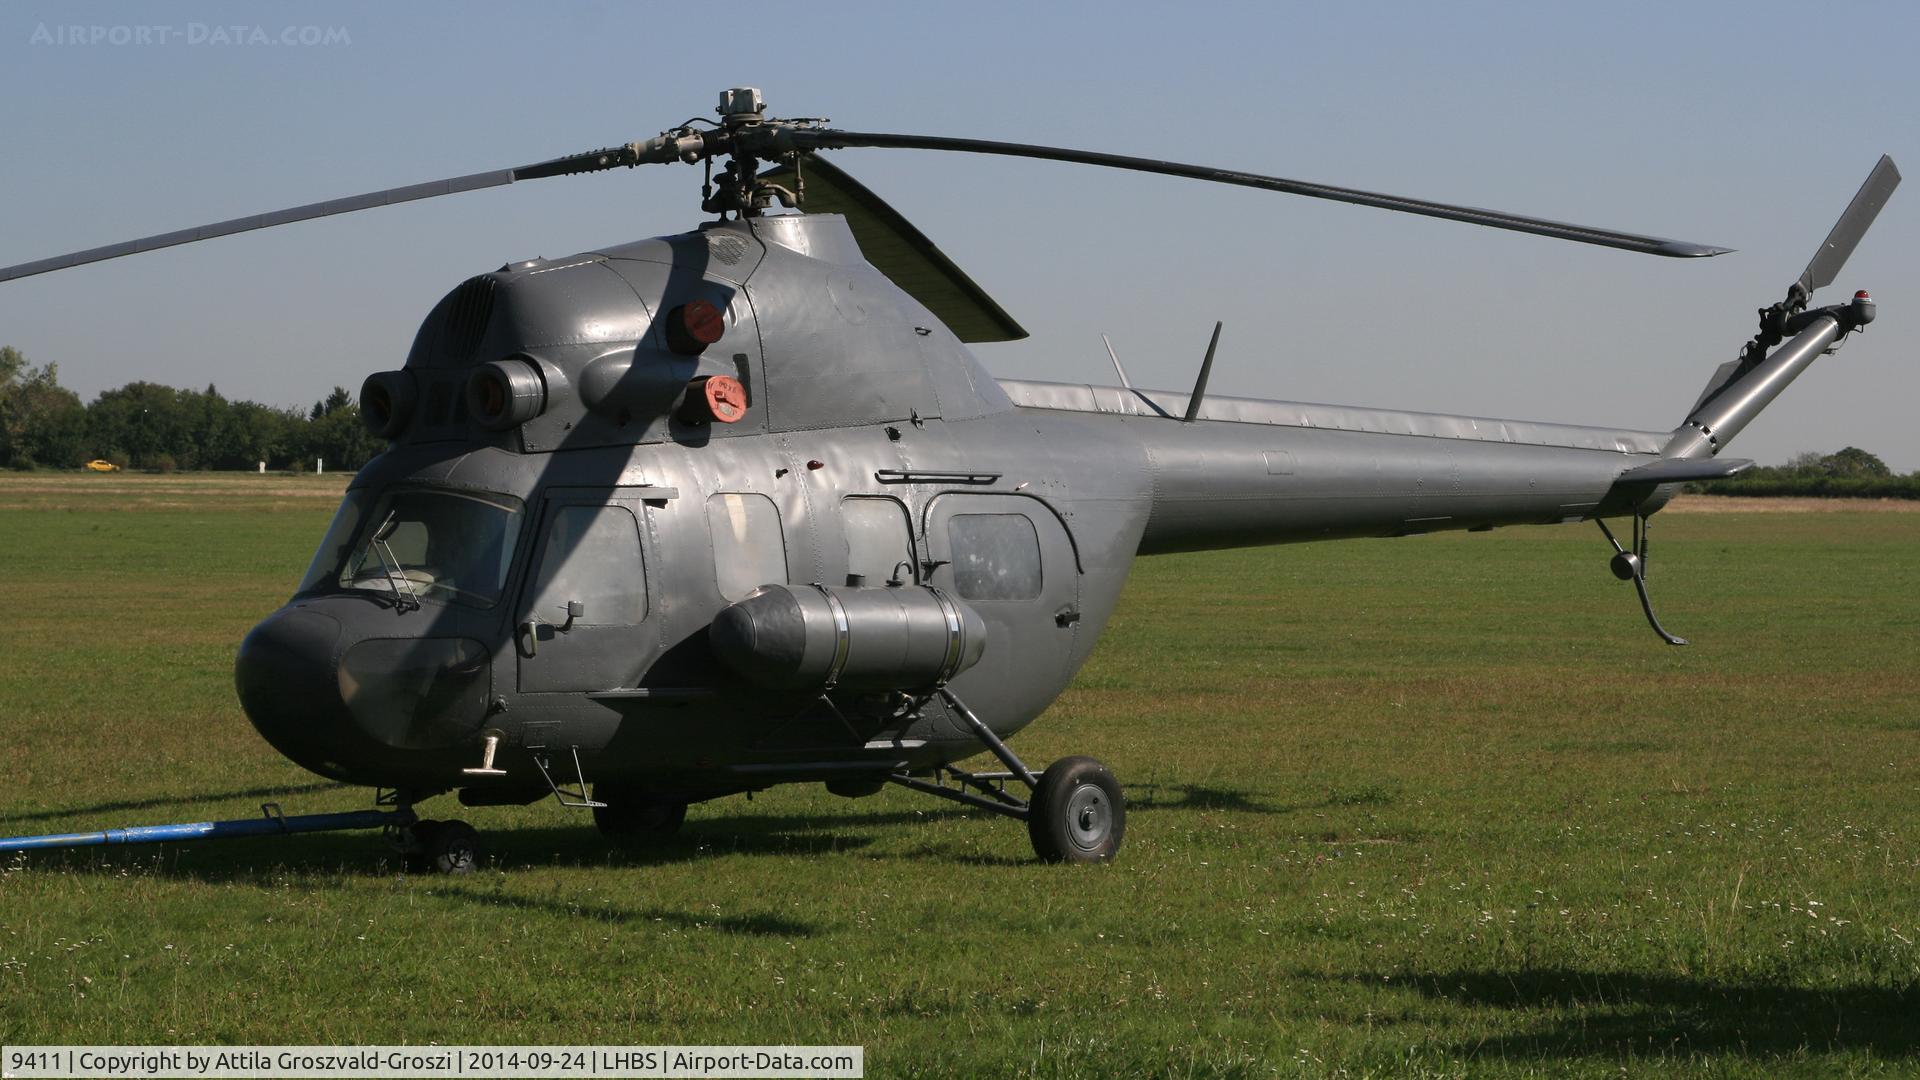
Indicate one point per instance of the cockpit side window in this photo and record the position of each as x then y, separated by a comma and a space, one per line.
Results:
336, 545
592, 555
453, 546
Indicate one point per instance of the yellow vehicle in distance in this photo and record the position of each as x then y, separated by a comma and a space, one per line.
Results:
102, 465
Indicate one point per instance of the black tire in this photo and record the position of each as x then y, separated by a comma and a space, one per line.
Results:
630, 818
411, 843
452, 847
1077, 814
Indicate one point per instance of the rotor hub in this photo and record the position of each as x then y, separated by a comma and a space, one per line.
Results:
741, 105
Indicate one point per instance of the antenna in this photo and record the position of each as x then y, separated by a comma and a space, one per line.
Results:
1206, 368
1124, 381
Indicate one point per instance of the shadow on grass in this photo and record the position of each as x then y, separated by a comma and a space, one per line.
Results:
851, 819
1621, 1013
761, 925
315, 860
266, 860
1156, 796
163, 800
261, 860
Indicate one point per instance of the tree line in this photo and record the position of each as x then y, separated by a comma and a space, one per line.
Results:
145, 425
1849, 473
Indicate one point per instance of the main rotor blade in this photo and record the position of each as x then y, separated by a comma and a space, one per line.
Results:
575, 163
827, 138
1851, 227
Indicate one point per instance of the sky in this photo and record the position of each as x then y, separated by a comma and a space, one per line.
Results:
1747, 126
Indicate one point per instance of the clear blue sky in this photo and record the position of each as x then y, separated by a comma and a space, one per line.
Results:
1743, 125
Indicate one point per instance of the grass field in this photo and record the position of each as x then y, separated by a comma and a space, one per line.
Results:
1430, 806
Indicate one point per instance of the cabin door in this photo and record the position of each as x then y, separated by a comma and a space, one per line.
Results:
582, 620
1010, 558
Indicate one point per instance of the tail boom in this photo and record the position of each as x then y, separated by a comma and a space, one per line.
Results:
1251, 472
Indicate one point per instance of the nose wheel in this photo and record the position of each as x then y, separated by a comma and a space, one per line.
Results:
440, 847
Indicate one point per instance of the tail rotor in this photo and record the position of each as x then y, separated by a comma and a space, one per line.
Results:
1742, 387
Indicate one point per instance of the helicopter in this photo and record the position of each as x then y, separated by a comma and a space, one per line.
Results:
698, 515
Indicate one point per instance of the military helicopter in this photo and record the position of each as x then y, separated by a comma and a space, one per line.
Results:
697, 515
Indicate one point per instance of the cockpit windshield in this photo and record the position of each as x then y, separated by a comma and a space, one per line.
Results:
419, 543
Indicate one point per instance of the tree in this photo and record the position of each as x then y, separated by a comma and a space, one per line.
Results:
1853, 461
215, 438
1806, 461
339, 438
41, 422
143, 420
334, 402
160, 427
266, 434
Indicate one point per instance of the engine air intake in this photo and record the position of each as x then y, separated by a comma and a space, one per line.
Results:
505, 393
387, 400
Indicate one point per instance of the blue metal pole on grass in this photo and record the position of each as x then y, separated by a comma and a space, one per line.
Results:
272, 824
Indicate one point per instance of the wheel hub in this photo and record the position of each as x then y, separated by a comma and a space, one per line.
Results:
1089, 817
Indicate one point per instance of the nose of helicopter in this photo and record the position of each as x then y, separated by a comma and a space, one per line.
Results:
349, 702
287, 675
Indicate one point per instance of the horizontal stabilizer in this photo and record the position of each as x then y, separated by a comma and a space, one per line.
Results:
1679, 470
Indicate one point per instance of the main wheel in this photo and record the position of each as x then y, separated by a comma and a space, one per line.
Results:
452, 847
1077, 813
632, 818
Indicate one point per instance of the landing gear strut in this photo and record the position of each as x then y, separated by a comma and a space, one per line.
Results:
430, 847
439, 847
1075, 812
445, 847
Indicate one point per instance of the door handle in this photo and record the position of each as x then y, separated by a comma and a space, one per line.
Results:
531, 628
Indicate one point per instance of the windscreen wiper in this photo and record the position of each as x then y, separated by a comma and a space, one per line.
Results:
391, 565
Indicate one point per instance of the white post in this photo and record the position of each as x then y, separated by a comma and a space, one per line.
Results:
319, 466
263, 468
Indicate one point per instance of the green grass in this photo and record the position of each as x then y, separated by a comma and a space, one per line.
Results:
1431, 806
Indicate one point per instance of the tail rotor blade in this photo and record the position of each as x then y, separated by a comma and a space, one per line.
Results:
1851, 227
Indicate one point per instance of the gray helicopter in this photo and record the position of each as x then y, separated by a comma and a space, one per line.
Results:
693, 516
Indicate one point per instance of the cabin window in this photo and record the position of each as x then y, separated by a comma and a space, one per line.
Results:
593, 556
879, 537
995, 556
436, 545
748, 548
